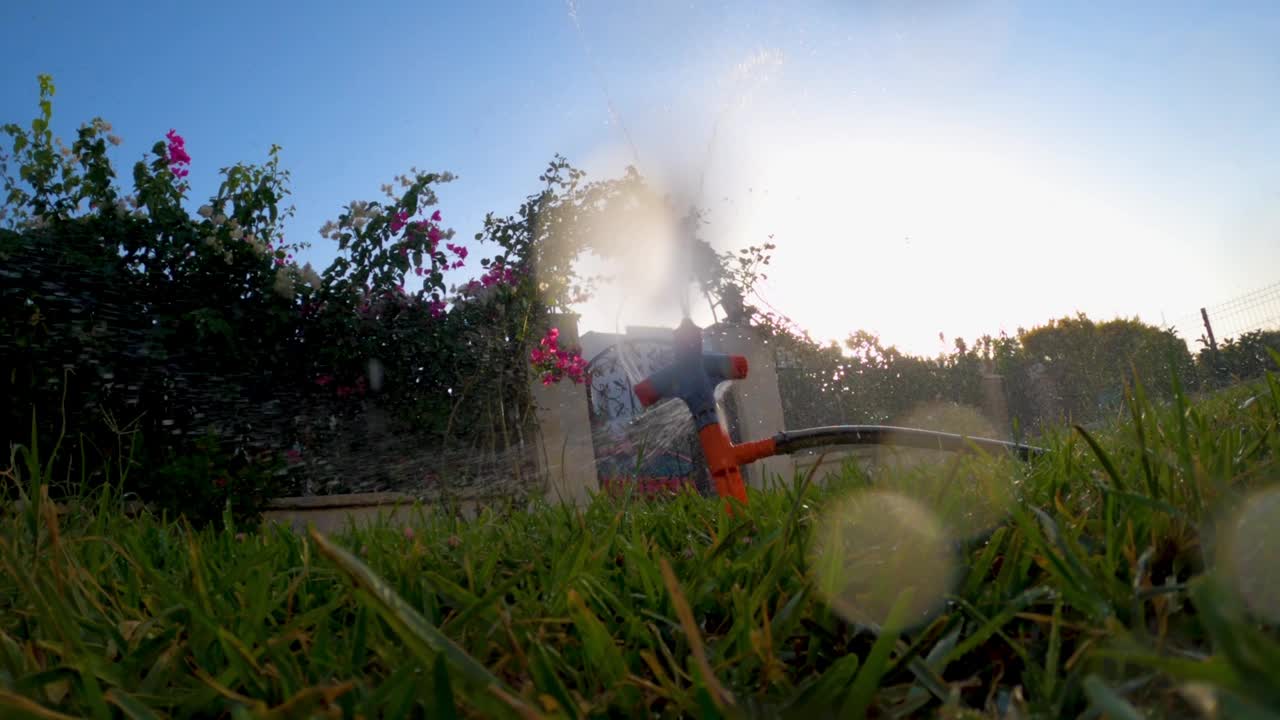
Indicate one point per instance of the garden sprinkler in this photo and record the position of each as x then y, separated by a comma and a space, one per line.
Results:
693, 377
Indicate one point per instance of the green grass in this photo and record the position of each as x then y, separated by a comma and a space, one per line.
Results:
1096, 590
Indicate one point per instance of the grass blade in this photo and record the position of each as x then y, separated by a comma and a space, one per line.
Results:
15, 705
877, 662
1108, 701
422, 638
719, 695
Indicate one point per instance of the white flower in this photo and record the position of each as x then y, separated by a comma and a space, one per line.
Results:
205, 211
219, 219
114, 139
237, 233
359, 223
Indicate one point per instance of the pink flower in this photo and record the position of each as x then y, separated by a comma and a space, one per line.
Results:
436, 308
398, 220
418, 272
177, 154
177, 148
548, 379
497, 275
408, 532
435, 216
324, 380
434, 236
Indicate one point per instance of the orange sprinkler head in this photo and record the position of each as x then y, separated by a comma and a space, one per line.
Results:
722, 464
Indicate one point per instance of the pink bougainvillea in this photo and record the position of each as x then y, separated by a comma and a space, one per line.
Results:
458, 251
177, 154
556, 363
498, 275
398, 221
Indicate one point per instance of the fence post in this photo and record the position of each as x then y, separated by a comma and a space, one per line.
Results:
1215, 366
566, 457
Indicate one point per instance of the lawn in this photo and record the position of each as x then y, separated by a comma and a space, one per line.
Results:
1131, 571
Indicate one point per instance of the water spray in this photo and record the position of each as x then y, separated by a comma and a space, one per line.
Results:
693, 376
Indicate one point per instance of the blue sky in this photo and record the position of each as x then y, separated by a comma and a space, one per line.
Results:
924, 167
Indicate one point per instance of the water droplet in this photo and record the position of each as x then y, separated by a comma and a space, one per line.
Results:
871, 547
1250, 553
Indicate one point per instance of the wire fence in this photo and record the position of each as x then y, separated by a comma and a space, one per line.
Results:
1255, 310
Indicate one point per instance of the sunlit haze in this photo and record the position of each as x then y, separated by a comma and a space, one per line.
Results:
923, 167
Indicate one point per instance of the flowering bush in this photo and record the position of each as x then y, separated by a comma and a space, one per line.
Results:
123, 314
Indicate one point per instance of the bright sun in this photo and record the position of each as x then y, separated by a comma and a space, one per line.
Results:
910, 236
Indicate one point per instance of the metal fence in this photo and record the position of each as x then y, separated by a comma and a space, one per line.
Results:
1255, 310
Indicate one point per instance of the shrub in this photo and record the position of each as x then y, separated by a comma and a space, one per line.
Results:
194, 325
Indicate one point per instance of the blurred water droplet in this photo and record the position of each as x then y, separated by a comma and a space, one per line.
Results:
870, 547
1250, 553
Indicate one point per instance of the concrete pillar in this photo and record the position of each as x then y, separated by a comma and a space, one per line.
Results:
566, 457
757, 399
